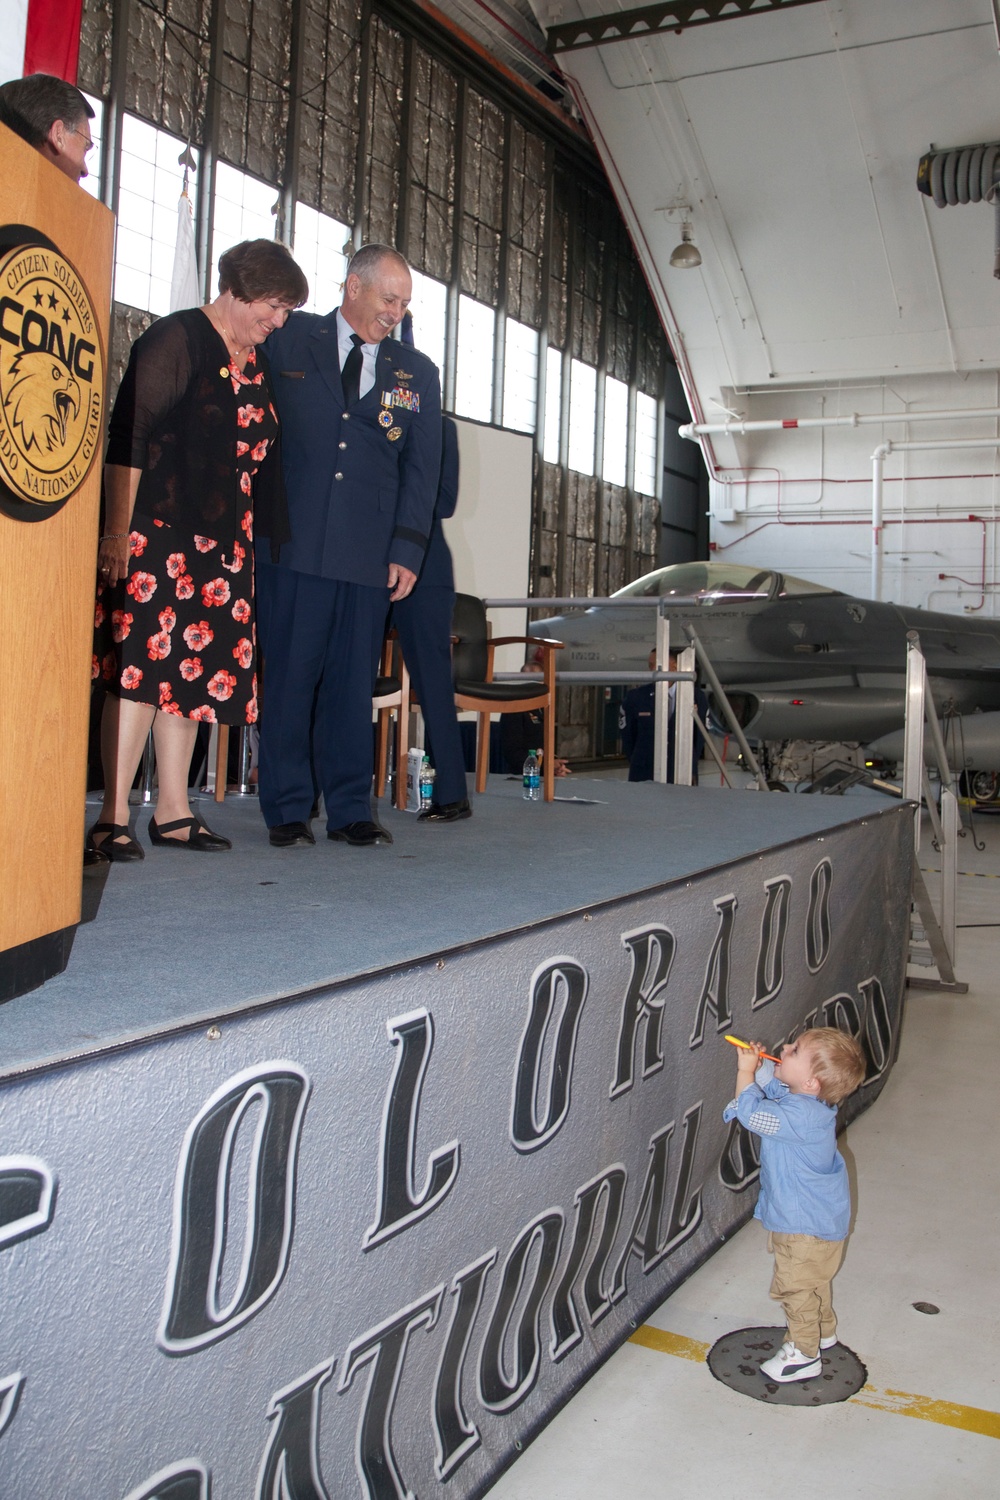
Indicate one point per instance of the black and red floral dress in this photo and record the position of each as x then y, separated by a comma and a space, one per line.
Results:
179, 631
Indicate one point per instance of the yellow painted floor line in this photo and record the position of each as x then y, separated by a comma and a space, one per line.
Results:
901, 1403
947, 1413
670, 1343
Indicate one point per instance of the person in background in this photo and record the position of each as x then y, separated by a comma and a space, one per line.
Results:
51, 115
637, 722
361, 420
423, 623
191, 456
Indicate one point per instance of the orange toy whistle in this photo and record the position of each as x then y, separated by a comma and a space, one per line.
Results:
746, 1045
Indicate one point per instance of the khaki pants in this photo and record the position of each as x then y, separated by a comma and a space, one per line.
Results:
804, 1267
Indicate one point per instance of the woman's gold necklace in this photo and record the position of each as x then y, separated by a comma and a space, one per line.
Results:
234, 349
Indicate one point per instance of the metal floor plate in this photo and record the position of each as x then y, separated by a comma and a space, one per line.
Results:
735, 1359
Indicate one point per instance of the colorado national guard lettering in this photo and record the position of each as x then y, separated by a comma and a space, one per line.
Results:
51, 379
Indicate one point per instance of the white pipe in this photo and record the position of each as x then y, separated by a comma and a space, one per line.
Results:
935, 443
878, 462
878, 465
694, 430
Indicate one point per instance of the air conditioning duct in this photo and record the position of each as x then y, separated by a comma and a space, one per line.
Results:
965, 174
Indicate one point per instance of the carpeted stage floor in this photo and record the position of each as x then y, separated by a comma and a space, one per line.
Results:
184, 939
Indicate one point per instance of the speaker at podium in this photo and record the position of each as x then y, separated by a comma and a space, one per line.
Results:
56, 245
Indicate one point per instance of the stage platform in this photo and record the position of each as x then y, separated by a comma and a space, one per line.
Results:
186, 939
337, 1171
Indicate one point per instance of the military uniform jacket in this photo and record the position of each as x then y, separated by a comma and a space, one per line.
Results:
361, 483
438, 570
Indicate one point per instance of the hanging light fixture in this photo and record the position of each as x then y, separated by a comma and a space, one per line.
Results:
687, 255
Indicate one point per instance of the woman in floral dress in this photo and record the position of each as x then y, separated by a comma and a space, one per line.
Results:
192, 466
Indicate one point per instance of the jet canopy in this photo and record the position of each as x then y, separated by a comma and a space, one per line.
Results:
711, 582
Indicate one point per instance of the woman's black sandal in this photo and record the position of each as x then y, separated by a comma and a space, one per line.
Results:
118, 853
201, 838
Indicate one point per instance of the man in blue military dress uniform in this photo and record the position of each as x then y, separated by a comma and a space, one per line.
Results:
637, 722
423, 622
361, 450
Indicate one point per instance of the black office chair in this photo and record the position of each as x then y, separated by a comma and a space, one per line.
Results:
475, 689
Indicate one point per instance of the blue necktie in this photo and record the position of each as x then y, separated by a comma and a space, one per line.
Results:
351, 373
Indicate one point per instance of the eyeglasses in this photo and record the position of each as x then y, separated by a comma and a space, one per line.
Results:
90, 144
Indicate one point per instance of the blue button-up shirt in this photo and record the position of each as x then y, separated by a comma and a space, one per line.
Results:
803, 1177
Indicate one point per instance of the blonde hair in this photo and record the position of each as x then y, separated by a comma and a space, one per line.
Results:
838, 1063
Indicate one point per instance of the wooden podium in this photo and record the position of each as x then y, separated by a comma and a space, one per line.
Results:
56, 246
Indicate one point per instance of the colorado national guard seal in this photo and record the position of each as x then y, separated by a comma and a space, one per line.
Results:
51, 377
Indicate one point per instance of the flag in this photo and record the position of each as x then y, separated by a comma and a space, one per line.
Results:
40, 36
52, 38
184, 288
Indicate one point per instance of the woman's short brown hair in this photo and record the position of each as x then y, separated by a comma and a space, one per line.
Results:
254, 270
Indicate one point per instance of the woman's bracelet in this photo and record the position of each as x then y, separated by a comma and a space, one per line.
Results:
114, 536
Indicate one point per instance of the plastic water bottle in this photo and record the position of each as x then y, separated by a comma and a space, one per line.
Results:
532, 778
426, 783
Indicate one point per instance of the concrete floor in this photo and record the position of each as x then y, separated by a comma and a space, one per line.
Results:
653, 1423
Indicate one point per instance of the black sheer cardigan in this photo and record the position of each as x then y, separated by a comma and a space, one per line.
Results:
175, 418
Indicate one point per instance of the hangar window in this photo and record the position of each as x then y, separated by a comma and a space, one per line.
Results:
319, 247
92, 182
474, 360
582, 416
615, 465
429, 306
644, 474
520, 377
150, 188
553, 404
243, 210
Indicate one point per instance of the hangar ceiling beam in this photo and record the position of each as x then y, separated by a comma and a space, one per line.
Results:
647, 20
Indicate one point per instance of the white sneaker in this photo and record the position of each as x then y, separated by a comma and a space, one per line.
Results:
791, 1364
830, 1342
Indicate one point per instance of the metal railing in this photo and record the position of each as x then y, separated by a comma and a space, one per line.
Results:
939, 927
685, 716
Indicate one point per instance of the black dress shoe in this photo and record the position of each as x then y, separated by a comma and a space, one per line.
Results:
118, 846
93, 856
446, 812
291, 835
201, 838
361, 834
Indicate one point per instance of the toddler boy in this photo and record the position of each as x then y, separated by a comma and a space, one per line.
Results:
805, 1198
